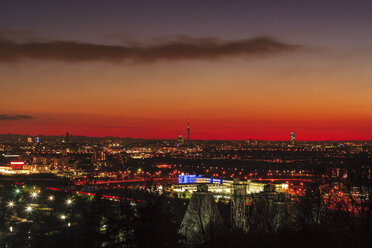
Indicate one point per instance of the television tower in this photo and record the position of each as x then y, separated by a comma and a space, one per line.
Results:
188, 131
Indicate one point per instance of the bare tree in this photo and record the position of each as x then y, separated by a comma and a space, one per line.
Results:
202, 221
349, 196
266, 213
309, 212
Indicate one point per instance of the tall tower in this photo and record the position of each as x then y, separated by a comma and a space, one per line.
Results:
67, 137
188, 131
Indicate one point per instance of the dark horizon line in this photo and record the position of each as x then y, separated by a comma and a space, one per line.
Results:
162, 139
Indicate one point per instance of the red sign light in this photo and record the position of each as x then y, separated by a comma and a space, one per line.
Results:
17, 165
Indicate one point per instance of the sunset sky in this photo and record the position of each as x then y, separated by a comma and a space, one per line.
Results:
142, 69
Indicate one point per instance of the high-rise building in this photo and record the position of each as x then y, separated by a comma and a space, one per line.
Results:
67, 137
181, 140
188, 131
293, 137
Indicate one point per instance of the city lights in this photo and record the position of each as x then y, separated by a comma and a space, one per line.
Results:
181, 124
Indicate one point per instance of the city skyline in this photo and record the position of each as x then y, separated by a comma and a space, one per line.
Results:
235, 70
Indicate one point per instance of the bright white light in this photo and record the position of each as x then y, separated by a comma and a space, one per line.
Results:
33, 194
28, 209
63, 217
11, 204
69, 202
51, 198
11, 229
69, 224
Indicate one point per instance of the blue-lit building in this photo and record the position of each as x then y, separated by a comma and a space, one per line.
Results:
188, 179
182, 179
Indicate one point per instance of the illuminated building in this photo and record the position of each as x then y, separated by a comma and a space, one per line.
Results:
99, 155
255, 187
37, 140
29, 140
17, 165
222, 187
181, 140
293, 137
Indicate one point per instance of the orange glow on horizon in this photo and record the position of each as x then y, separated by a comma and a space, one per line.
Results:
232, 99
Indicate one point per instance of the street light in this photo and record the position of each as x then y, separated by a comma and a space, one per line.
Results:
11, 204
63, 216
34, 194
69, 202
28, 209
51, 198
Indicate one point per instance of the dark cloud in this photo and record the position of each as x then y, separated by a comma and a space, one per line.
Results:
6, 117
173, 49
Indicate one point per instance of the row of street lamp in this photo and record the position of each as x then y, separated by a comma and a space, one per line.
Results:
34, 195
29, 208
